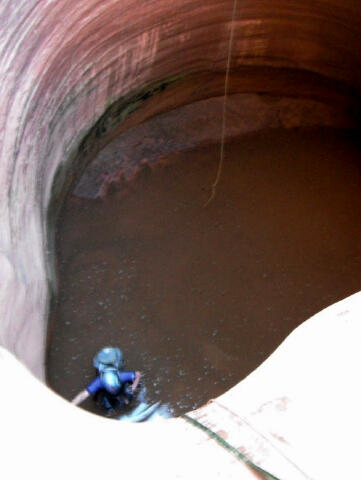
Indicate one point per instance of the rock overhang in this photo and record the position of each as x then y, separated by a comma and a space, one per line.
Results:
76, 75
68, 68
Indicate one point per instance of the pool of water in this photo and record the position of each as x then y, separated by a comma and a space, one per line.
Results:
197, 297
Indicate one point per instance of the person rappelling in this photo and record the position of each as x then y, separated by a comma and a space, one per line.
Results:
113, 386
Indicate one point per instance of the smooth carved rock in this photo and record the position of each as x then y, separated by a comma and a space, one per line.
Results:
63, 63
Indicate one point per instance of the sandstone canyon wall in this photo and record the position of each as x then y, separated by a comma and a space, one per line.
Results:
74, 74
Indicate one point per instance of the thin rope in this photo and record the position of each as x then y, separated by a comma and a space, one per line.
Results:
266, 475
224, 123
257, 432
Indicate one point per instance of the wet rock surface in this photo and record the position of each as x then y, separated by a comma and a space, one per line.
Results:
198, 297
201, 123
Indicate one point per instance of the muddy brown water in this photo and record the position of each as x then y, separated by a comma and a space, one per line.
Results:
198, 297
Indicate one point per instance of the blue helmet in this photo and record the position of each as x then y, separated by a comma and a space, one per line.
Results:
111, 381
108, 357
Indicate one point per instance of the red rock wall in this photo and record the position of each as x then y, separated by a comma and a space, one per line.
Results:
62, 63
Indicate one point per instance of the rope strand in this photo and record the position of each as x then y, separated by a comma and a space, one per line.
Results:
224, 123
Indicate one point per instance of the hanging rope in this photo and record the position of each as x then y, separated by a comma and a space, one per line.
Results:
255, 468
224, 123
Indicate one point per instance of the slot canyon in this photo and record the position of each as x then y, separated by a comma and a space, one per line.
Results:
241, 309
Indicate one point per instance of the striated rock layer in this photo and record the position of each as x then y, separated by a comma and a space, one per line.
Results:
74, 74
64, 64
